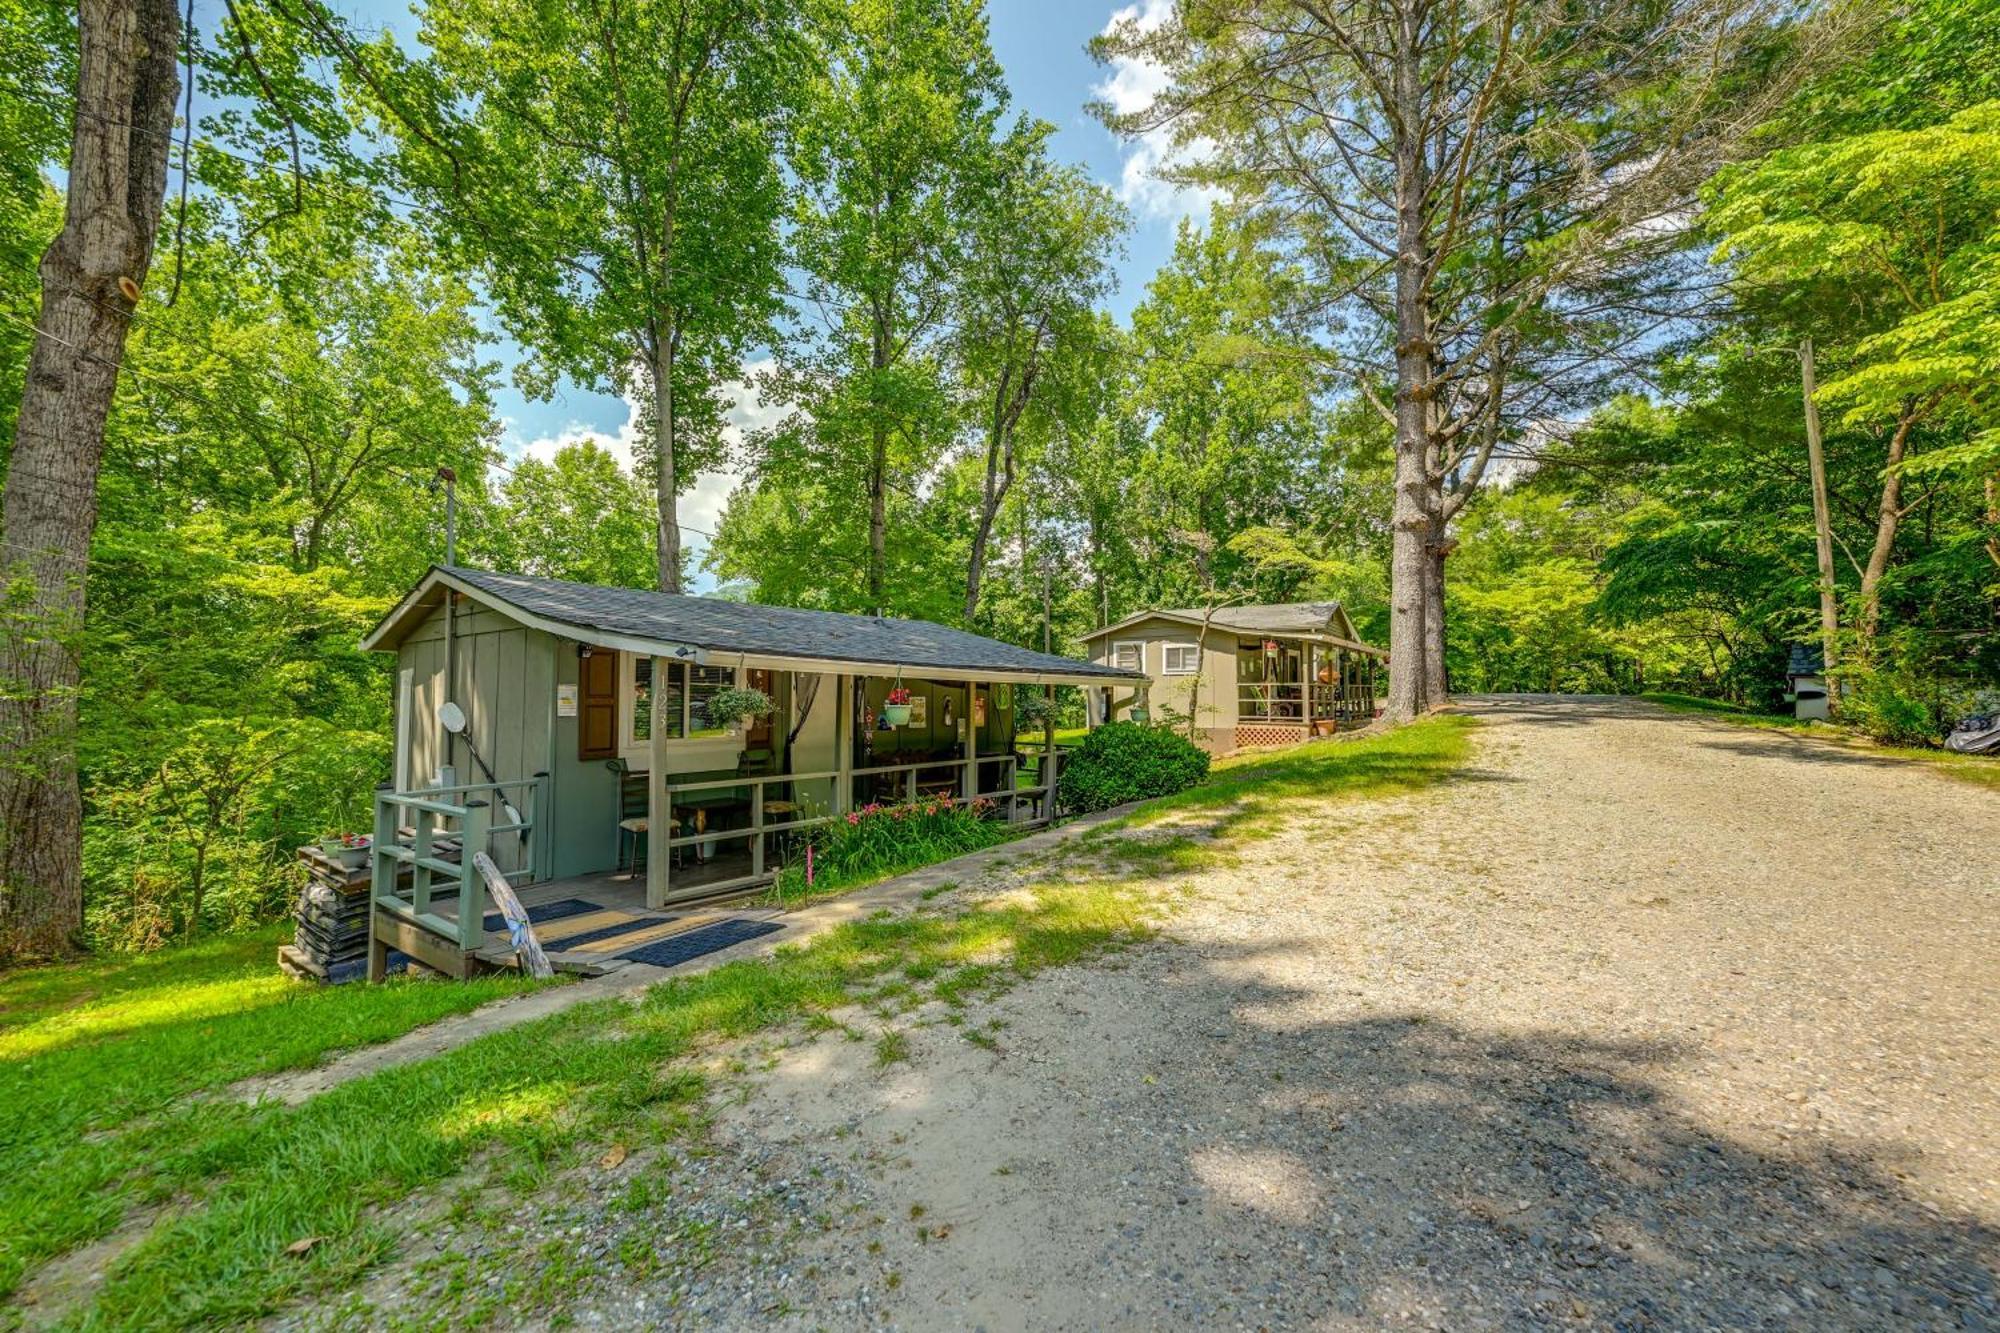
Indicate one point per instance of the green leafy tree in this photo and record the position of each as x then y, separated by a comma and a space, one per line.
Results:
617, 180
1463, 187
893, 150
578, 516
1038, 264
1902, 225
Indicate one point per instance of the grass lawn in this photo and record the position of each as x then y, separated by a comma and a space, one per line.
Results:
113, 1051
1032, 741
1979, 770
95, 1052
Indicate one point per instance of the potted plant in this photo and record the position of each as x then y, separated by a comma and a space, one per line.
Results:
896, 712
349, 849
728, 708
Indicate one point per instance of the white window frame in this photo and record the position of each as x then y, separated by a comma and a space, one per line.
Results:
1167, 651
629, 704
1138, 645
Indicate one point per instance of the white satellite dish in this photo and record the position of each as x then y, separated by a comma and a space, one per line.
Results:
452, 717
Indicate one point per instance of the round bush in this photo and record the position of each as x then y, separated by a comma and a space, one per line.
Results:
1126, 761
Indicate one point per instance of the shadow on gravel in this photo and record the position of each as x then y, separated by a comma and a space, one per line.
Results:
1515, 1181
1554, 710
1800, 749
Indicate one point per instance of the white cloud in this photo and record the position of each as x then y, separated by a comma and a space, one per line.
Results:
701, 506
1131, 87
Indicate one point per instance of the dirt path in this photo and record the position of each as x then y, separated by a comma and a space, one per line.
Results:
1646, 1022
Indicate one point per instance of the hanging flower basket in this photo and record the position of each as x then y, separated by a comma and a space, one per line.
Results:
896, 712
728, 708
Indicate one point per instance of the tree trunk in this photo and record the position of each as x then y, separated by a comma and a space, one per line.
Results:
666, 484
126, 88
1437, 687
999, 480
1888, 514
1829, 601
1993, 517
1410, 524
878, 475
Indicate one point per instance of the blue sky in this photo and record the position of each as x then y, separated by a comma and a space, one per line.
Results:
1041, 45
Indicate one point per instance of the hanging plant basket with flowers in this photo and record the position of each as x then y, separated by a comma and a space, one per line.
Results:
896, 710
728, 708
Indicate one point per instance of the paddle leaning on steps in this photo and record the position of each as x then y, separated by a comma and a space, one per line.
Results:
520, 933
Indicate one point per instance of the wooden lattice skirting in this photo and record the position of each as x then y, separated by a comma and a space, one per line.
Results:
1251, 735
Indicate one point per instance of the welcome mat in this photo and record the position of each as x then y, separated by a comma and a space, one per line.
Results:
554, 911
694, 943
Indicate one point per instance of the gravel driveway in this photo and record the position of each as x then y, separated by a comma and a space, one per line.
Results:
1647, 1021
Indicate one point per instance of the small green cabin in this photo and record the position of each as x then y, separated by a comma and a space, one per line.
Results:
580, 718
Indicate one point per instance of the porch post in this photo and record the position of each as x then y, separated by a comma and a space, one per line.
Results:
472, 839
971, 783
1049, 755
843, 745
659, 810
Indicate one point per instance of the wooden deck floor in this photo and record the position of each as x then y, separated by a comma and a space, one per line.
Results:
618, 919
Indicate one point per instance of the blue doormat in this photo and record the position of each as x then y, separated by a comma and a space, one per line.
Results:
616, 928
695, 943
554, 911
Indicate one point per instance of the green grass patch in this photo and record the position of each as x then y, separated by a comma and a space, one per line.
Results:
1690, 703
111, 1044
1031, 741
1249, 796
247, 1181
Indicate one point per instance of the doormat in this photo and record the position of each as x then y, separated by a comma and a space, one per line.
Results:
554, 911
695, 943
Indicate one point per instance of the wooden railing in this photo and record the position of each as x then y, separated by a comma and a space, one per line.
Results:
433, 817
1275, 702
962, 779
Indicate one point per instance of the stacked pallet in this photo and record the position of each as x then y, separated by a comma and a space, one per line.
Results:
331, 940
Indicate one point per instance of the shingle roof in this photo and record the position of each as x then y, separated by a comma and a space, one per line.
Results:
1806, 660
1266, 618
775, 631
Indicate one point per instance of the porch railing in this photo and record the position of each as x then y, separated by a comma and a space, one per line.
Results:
463, 814
962, 778
1274, 702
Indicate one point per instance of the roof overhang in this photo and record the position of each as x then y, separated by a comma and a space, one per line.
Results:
1140, 617
1315, 636
409, 612
921, 670
417, 603
1335, 640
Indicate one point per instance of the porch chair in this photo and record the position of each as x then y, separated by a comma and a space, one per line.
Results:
634, 814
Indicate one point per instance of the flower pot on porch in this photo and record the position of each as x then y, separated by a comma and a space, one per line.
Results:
896, 715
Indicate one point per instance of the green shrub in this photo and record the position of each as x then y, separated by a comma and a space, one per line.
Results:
879, 840
1127, 761
1888, 708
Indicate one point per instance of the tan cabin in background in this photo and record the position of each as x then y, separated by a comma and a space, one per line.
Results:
1273, 674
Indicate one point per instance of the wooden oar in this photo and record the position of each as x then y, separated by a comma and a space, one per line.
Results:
520, 932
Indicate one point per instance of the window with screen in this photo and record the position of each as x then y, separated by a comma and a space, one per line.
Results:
1180, 659
704, 683
680, 705
1128, 656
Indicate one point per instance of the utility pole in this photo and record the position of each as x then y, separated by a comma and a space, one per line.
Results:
450, 480
1829, 610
